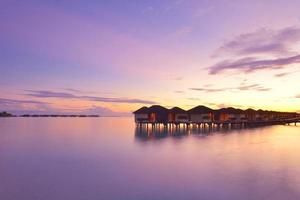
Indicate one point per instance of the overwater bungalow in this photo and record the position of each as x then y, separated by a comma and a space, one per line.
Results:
269, 115
250, 114
230, 115
153, 114
178, 115
201, 114
262, 115
284, 115
158, 114
141, 115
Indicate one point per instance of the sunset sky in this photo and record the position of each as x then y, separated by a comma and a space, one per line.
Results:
111, 57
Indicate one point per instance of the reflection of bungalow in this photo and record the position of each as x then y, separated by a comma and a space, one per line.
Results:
178, 115
141, 115
201, 114
230, 114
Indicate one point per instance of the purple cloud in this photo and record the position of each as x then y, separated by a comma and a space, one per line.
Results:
209, 89
179, 91
241, 87
63, 95
103, 111
117, 100
276, 44
262, 41
256, 87
47, 94
286, 73
14, 101
17, 106
252, 64
282, 74
217, 105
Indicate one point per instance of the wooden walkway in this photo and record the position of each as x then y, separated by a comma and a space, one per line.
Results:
218, 124
161, 130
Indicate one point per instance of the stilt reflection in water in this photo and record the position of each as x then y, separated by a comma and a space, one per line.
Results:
159, 131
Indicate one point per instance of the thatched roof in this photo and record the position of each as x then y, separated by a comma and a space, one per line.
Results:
177, 110
230, 110
250, 111
157, 109
200, 110
142, 110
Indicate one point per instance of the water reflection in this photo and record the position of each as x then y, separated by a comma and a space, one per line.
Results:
108, 158
149, 132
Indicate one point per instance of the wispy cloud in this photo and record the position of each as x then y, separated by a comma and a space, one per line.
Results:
147, 9
251, 64
99, 110
15, 101
84, 92
209, 89
259, 50
64, 95
262, 41
48, 94
178, 78
283, 74
182, 31
214, 105
20, 107
73, 90
179, 91
242, 87
202, 11
256, 87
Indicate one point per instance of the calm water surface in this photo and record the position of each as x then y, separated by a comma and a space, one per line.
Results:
106, 158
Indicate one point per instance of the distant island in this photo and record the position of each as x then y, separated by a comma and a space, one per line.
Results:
45, 115
6, 114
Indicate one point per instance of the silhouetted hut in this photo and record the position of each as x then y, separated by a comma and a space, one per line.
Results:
224, 114
158, 114
261, 115
241, 115
178, 115
250, 114
141, 115
269, 115
284, 115
201, 114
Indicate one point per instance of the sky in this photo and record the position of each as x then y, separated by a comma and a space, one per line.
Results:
110, 57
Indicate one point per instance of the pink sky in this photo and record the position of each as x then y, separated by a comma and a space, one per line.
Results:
111, 58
